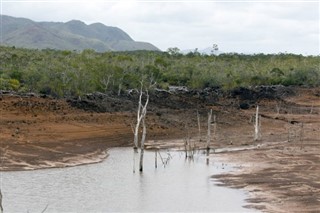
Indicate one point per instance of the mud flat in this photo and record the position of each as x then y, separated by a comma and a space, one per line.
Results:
279, 177
282, 171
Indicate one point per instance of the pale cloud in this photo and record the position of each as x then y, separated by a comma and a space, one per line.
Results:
235, 27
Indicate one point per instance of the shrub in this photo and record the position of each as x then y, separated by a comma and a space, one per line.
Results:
13, 84
3, 84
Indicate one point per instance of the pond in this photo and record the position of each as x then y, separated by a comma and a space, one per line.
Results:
112, 186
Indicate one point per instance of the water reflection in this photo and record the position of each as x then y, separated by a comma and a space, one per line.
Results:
183, 185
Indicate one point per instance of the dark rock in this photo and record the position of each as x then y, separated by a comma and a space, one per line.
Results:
244, 106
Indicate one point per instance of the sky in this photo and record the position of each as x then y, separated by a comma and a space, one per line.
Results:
259, 26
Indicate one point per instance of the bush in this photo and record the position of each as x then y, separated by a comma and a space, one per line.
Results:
3, 84
13, 84
9, 84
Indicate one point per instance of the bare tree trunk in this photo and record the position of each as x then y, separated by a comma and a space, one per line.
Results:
163, 163
214, 127
136, 132
144, 132
45, 208
301, 136
278, 107
190, 151
134, 161
186, 146
2, 158
1, 208
311, 110
209, 129
155, 159
141, 114
106, 83
120, 87
199, 126
256, 126
136, 129
289, 130
136, 135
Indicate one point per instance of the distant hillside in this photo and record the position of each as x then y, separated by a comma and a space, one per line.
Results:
72, 35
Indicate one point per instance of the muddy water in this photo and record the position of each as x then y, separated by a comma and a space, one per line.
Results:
183, 185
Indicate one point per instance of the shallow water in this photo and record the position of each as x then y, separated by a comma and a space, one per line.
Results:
110, 186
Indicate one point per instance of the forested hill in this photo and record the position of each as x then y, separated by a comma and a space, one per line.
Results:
72, 35
70, 73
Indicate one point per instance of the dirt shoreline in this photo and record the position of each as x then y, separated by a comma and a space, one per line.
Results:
280, 177
281, 173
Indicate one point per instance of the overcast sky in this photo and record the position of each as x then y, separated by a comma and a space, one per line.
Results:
236, 26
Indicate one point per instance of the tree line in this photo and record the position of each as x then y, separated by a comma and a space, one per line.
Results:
72, 73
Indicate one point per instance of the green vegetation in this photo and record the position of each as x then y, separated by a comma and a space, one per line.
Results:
65, 73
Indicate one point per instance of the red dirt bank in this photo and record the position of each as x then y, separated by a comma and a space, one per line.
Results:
281, 176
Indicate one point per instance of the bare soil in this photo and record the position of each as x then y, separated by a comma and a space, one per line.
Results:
281, 171
44, 133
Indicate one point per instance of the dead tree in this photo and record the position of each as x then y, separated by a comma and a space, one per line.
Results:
45, 209
209, 129
278, 107
144, 132
105, 82
142, 110
141, 114
155, 159
134, 161
311, 110
1, 208
4, 152
207, 158
214, 127
139, 117
186, 146
199, 126
257, 126
301, 135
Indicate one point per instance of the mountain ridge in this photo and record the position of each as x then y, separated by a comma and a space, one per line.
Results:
71, 35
